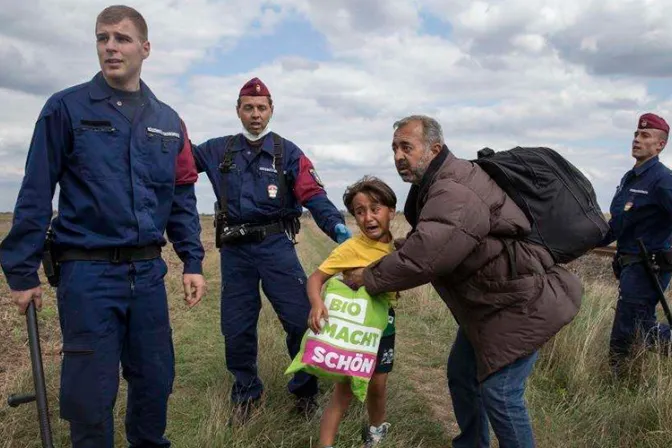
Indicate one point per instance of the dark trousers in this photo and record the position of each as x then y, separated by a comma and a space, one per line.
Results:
498, 400
273, 262
112, 313
636, 313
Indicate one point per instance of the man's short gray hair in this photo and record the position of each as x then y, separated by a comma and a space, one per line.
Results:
431, 129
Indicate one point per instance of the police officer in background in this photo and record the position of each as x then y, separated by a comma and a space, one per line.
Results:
641, 208
126, 173
262, 181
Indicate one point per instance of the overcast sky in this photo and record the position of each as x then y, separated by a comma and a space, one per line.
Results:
572, 75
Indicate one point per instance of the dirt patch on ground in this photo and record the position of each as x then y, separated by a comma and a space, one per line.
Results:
432, 384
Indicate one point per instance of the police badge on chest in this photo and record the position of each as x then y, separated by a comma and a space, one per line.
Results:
272, 191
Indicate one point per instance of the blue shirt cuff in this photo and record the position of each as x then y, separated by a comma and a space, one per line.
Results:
23, 283
193, 267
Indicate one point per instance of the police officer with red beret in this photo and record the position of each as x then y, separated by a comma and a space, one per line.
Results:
641, 208
262, 181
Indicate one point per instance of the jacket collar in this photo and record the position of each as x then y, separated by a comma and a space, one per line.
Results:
417, 192
645, 166
433, 169
266, 145
100, 90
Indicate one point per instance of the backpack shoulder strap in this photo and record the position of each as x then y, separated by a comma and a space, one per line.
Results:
225, 167
278, 149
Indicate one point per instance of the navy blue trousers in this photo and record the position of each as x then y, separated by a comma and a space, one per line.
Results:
636, 313
112, 314
274, 263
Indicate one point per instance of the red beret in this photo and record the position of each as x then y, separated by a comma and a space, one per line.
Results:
254, 87
653, 121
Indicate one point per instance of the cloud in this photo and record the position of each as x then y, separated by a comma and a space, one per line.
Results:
44, 52
291, 63
566, 74
628, 39
607, 38
348, 24
18, 119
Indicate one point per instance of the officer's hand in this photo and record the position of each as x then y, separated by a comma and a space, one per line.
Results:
317, 313
194, 288
354, 278
342, 233
23, 299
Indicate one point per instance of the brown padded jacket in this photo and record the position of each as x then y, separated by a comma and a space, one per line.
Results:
464, 222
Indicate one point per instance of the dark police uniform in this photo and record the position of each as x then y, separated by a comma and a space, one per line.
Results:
641, 208
126, 174
255, 200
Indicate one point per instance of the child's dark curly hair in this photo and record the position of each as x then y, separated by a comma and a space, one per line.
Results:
374, 188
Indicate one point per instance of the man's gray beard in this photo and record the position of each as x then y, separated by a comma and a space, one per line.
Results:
421, 168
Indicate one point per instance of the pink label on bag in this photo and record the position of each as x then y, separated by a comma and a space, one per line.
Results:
332, 359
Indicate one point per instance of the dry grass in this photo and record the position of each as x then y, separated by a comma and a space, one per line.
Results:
200, 405
573, 400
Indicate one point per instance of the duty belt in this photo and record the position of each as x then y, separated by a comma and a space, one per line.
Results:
112, 254
661, 260
269, 229
628, 259
245, 233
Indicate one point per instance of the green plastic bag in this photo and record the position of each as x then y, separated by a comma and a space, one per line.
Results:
347, 346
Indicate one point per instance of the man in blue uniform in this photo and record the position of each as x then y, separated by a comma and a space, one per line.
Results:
126, 173
641, 208
261, 182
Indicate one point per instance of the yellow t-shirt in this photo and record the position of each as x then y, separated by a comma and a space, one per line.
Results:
357, 252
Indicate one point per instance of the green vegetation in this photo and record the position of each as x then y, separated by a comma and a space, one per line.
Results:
573, 400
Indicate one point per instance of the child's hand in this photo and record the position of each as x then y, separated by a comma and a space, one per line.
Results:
317, 313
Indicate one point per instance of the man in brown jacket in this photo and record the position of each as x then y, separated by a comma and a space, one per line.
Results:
507, 295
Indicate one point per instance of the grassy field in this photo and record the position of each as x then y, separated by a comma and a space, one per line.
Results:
573, 401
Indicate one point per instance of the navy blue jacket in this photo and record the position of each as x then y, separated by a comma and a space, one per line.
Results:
121, 183
642, 208
252, 185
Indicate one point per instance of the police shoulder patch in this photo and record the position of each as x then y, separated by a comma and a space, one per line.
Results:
316, 177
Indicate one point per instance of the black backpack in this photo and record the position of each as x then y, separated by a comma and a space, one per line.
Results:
557, 198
